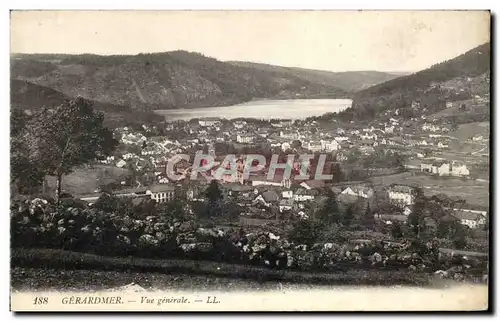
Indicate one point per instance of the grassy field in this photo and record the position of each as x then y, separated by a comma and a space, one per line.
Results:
42, 268
481, 108
474, 192
465, 131
86, 180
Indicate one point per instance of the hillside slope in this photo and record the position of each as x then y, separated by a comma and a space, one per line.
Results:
27, 96
449, 81
350, 81
176, 79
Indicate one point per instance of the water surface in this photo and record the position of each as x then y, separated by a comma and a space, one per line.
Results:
262, 109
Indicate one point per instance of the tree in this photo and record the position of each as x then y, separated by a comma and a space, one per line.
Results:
329, 212
305, 232
169, 211
348, 216
396, 230
296, 144
367, 218
338, 175
416, 219
70, 135
25, 175
214, 198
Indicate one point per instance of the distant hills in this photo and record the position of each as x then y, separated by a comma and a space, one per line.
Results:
131, 86
177, 79
350, 81
27, 96
171, 80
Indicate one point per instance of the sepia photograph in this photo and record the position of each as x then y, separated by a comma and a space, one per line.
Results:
316, 160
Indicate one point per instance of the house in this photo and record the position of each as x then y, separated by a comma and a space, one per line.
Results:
478, 138
291, 136
121, 163
302, 195
285, 205
287, 194
341, 139
161, 193
209, 121
472, 220
195, 192
244, 139
340, 157
368, 136
389, 129
401, 195
368, 143
441, 168
430, 127
330, 145
314, 146
267, 198
459, 169
275, 181
442, 145
311, 184
162, 178
262, 133
235, 189
358, 191
285, 146
239, 124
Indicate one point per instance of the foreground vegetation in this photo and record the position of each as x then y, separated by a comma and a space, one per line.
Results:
34, 261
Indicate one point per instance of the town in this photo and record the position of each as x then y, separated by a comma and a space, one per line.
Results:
365, 160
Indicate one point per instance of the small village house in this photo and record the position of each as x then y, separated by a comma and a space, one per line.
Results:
358, 191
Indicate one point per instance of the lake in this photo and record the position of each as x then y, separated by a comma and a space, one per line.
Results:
262, 109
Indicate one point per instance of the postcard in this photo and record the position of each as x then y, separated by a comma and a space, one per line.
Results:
250, 160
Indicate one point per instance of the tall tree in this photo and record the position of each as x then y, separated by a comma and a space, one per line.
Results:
416, 219
348, 215
214, 198
329, 211
67, 136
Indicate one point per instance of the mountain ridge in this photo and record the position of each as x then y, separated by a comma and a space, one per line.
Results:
177, 79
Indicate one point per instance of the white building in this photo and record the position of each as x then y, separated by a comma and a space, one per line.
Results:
459, 169
472, 220
359, 191
330, 146
314, 146
121, 163
161, 193
401, 195
285, 146
244, 139
209, 122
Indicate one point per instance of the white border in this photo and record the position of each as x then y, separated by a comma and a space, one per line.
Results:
191, 4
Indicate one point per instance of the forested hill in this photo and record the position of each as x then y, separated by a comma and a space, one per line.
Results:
350, 81
423, 86
176, 79
472, 63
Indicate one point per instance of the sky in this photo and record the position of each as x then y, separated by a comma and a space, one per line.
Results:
404, 41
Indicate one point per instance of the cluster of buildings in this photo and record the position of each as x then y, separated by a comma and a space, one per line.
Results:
414, 137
